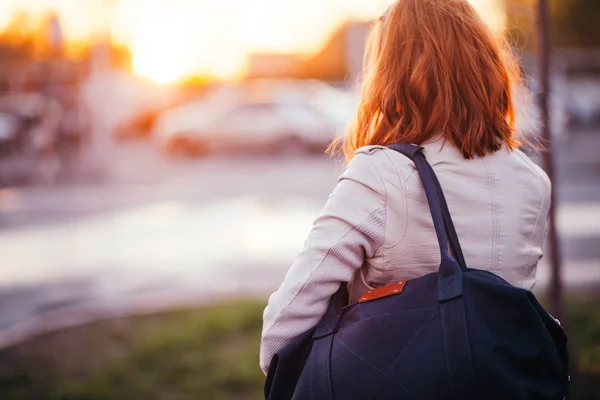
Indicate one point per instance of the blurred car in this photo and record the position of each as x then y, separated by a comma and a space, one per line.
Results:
137, 127
338, 104
9, 124
583, 103
29, 124
276, 126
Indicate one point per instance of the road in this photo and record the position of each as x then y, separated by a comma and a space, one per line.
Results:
164, 233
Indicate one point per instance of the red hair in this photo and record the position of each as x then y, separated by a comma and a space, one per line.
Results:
434, 67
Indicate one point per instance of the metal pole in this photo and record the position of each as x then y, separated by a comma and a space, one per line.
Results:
556, 286
557, 306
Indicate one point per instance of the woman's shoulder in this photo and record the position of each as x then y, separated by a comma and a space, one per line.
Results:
535, 170
369, 150
385, 157
388, 164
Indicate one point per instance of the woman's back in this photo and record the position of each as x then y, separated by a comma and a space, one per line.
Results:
458, 333
499, 204
434, 76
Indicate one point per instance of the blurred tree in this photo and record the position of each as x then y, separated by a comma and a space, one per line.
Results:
573, 23
17, 41
30, 37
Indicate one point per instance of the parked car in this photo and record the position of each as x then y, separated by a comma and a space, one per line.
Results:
29, 124
137, 127
338, 104
583, 103
277, 126
9, 129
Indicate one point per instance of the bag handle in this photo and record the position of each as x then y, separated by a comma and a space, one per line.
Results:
451, 268
449, 224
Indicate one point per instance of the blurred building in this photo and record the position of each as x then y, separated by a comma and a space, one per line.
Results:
340, 60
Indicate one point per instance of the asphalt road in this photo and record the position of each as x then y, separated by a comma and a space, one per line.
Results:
164, 233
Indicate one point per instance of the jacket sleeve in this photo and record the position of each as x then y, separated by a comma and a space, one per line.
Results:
351, 227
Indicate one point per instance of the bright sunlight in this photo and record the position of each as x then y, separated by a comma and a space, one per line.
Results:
192, 37
178, 39
158, 46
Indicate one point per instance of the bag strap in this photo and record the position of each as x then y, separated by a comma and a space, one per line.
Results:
450, 230
447, 216
450, 267
454, 320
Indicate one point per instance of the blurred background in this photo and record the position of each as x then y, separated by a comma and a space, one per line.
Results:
161, 163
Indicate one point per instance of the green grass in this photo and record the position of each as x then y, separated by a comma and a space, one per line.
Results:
210, 353
584, 327
202, 354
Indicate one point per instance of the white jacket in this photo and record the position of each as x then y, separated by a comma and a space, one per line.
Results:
376, 228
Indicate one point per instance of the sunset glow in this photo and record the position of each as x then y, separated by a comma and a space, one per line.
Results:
175, 39
157, 46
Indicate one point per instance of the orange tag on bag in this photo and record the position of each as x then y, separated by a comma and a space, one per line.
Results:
384, 291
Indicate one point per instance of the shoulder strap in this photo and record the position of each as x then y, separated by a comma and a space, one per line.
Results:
442, 220
450, 230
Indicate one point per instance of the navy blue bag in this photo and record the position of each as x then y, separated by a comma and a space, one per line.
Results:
458, 334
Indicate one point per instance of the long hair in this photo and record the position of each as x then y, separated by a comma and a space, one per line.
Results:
433, 67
